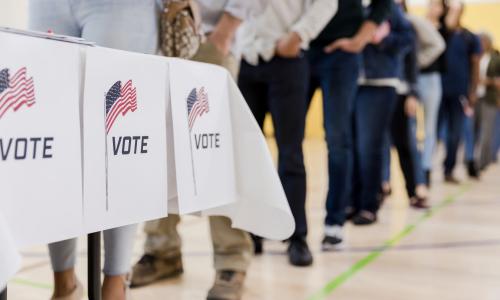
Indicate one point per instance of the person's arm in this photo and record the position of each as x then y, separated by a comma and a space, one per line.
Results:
431, 41
402, 35
379, 12
223, 34
307, 28
235, 12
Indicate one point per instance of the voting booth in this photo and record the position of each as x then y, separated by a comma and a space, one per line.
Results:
93, 138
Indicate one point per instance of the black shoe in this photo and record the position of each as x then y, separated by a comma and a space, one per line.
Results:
428, 178
299, 253
258, 246
472, 169
364, 218
333, 240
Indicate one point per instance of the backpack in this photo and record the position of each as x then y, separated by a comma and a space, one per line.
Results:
180, 28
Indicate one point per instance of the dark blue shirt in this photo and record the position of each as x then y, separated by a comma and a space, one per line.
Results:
461, 46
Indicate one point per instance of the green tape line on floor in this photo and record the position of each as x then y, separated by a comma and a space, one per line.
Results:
331, 286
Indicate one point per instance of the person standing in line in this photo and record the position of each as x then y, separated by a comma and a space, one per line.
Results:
489, 99
431, 46
373, 109
334, 58
232, 247
274, 78
459, 82
404, 123
130, 26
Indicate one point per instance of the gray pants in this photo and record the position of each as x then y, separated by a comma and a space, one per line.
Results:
125, 25
484, 151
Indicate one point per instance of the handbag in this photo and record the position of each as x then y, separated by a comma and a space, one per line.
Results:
180, 28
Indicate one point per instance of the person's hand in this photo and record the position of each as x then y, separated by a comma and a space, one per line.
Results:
467, 106
352, 45
289, 45
411, 105
221, 41
382, 32
472, 98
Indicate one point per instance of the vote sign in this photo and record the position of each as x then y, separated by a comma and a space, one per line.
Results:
40, 146
204, 157
125, 173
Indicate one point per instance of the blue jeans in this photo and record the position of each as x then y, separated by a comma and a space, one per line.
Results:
337, 75
125, 25
280, 87
429, 87
469, 138
452, 115
373, 110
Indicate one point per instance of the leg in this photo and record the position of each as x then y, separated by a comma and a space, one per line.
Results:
486, 135
454, 115
63, 260
118, 245
255, 90
430, 89
400, 134
338, 73
374, 108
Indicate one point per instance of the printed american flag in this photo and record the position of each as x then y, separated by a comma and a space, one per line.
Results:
15, 91
197, 105
119, 101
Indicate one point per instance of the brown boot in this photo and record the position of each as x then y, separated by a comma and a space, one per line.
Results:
228, 285
150, 269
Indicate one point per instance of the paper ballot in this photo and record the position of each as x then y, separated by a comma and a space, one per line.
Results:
10, 260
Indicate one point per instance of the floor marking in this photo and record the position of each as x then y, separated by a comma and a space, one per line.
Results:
25, 282
372, 256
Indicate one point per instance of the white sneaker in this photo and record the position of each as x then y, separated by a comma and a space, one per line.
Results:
334, 238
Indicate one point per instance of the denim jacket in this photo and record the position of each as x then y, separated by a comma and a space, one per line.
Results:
383, 61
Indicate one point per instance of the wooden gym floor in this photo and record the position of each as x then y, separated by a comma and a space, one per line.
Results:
452, 253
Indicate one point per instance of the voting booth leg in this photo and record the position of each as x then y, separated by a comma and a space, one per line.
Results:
3, 294
94, 265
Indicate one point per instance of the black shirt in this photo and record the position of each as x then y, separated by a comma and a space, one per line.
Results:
348, 20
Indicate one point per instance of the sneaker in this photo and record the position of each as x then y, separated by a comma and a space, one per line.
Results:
364, 218
448, 178
76, 294
150, 269
298, 253
334, 238
228, 285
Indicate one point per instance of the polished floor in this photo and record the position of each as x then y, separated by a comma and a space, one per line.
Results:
452, 253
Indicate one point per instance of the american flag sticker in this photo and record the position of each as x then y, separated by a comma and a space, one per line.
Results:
119, 101
16, 91
197, 105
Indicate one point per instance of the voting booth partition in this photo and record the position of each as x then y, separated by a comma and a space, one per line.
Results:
93, 138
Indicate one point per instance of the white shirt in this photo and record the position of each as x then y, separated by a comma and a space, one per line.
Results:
258, 36
212, 10
483, 71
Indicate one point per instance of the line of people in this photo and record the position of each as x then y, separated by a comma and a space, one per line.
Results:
374, 65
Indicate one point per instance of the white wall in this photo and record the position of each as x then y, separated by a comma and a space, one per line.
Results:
14, 13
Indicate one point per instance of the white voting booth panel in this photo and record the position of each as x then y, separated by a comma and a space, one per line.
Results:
40, 142
125, 178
